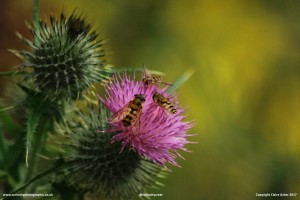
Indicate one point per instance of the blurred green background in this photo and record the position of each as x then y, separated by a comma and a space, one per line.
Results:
244, 96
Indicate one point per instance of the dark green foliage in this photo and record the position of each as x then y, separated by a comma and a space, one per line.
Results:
62, 61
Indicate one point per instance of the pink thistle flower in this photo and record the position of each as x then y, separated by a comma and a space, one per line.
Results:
155, 134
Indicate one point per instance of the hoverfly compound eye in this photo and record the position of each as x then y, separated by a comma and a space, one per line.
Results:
154, 96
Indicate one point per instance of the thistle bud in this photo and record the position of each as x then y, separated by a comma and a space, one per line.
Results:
99, 167
64, 57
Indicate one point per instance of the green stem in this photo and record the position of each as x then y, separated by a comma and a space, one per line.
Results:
8, 73
9, 108
35, 18
36, 14
15, 131
2, 145
43, 174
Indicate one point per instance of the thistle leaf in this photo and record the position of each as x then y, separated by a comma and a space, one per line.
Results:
180, 80
32, 124
13, 73
7, 120
9, 108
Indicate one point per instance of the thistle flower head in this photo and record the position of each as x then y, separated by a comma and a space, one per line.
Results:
158, 130
97, 165
64, 57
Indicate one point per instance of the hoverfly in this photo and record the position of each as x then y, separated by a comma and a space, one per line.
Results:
129, 114
148, 79
163, 102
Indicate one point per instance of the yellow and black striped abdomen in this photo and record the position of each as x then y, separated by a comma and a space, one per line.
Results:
135, 109
164, 102
131, 117
169, 107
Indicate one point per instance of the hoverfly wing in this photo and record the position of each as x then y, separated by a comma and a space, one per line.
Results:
120, 115
158, 110
152, 107
163, 112
167, 113
165, 83
136, 126
147, 72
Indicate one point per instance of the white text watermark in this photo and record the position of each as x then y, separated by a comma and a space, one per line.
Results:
150, 195
28, 195
276, 194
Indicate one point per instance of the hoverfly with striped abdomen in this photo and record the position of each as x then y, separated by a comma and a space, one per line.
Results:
164, 103
130, 113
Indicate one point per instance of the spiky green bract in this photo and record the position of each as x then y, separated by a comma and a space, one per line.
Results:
99, 166
39, 110
64, 59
